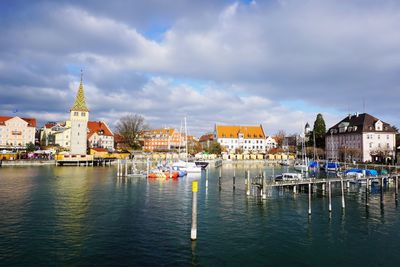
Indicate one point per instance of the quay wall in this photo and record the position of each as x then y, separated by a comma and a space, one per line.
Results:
16, 163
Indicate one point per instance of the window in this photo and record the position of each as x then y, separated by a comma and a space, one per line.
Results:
387, 145
370, 145
387, 136
83, 114
76, 113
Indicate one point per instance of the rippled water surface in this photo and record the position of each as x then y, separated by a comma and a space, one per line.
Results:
85, 216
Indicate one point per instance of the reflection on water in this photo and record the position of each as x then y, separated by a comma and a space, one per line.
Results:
70, 216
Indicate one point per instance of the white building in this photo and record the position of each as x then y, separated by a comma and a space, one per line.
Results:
270, 143
100, 135
246, 138
16, 132
361, 137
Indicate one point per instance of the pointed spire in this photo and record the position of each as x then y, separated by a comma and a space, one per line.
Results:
80, 103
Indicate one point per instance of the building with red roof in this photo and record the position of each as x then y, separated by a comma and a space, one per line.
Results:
16, 132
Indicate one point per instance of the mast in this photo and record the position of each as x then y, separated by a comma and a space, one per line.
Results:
186, 141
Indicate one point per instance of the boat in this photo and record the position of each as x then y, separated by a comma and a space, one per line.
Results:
284, 162
288, 176
163, 174
331, 166
313, 164
301, 167
201, 164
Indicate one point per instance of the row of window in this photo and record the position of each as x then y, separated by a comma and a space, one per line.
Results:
76, 113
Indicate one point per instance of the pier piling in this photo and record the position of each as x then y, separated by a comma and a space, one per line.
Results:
207, 178
193, 232
219, 179
396, 191
330, 196
234, 179
309, 199
248, 185
264, 185
341, 185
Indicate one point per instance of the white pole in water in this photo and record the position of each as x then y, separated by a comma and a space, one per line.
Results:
309, 199
207, 177
234, 179
330, 196
248, 183
341, 185
264, 185
126, 167
193, 232
118, 168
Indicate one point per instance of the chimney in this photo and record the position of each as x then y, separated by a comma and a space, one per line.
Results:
357, 114
349, 116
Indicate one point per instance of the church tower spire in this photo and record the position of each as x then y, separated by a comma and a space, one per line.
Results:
80, 102
79, 117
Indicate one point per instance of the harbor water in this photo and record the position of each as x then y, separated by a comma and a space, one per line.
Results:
86, 216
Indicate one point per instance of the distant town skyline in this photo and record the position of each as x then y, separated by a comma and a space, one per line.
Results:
277, 63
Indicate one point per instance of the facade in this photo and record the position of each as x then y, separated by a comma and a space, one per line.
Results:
245, 138
206, 140
163, 139
16, 132
270, 143
100, 136
361, 137
56, 134
79, 117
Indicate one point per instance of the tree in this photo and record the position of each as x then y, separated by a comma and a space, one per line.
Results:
215, 148
130, 127
30, 147
319, 131
280, 137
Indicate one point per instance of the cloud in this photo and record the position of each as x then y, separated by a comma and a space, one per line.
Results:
257, 62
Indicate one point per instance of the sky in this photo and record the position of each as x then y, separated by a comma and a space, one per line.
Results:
276, 62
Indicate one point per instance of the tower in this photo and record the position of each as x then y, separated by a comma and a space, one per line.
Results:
79, 117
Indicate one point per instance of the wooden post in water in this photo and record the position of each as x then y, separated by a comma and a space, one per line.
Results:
396, 191
234, 179
382, 200
219, 178
126, 167
294, 189
309, 199
248, 182
264, 185
207, 177
117, 167
193, 232
330, 196
341, 185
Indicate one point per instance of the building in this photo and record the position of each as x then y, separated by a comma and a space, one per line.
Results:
163, 139
361, 137
79, 117
270, 143
245, 138
56, 134
100, 136
16, 132
206, 140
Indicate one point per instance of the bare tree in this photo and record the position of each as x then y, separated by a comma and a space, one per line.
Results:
279, 137
130, 127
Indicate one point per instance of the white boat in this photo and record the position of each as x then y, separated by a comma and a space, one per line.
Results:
288, 176
301, 167
189, 167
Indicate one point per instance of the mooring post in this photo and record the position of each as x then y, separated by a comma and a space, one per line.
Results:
330, 196
396, 191
264, 185
126, 167
309, 199
248, 182
294, 189
382, 200
234, 179
117, 167
193, 232
207, 177
219, 178
341, 185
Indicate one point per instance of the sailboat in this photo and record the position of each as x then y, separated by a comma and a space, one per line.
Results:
189, 167
303, 165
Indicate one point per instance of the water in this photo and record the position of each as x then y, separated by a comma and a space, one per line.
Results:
85, 216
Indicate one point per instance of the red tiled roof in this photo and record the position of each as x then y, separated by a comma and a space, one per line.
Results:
97, 126
232, 131
31, 121
206, 137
